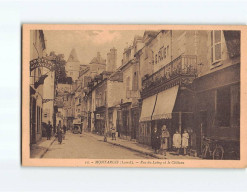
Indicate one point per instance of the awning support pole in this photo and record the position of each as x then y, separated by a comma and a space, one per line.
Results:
180, 122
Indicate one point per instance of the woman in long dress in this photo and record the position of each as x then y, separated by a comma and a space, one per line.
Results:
177, 141
164, 139
185, 141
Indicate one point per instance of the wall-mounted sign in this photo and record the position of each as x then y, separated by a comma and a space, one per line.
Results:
41, 62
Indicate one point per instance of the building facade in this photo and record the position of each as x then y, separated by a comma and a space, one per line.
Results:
37, 48
217, 92
167, 97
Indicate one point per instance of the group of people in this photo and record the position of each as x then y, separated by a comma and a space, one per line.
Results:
161, 141
61, 131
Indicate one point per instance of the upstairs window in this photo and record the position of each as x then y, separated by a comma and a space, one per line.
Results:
216, 46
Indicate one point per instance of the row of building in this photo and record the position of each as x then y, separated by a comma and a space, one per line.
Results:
184, 79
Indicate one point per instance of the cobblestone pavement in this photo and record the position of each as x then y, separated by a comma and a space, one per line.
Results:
86, 146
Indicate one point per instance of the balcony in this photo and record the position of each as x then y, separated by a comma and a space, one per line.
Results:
184, 65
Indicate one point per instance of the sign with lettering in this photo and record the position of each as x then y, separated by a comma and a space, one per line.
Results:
41, 62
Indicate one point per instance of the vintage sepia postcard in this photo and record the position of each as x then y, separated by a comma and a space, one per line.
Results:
134, 96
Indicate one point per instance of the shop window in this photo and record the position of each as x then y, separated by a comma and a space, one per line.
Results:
223, 105
216, 37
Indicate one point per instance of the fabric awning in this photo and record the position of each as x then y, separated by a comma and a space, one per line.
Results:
147, 108
165, 104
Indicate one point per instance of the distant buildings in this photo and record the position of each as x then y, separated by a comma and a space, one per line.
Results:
186, 80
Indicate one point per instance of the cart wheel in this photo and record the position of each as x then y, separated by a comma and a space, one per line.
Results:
218, 153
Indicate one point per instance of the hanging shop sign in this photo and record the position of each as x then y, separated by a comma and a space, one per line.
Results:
41, 62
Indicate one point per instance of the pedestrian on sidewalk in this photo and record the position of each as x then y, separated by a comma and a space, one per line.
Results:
185, 141
177, 142
156, 141
64, 129
164, 140
59, 134
113, 132
48, 130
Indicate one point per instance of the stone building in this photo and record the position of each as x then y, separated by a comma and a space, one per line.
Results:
217, 92
72, 67
166, 90
128, 115
37, 48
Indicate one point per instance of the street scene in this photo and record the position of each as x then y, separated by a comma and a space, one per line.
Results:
135, 94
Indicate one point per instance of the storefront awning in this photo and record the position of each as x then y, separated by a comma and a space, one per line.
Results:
147, 108
165, 104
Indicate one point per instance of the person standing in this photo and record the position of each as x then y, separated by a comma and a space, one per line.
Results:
156, 140
164, 139
48, 130
113, 132
64, 129
177, 142
59, 134
185, 141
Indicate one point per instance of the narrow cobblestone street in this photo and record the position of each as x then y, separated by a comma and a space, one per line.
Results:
85, 146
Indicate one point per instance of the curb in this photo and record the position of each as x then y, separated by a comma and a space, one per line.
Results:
132, 149
46, 150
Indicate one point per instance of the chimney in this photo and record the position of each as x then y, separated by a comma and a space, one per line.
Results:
111, 60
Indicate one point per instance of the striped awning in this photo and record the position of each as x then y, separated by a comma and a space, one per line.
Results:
147, 108
165, 104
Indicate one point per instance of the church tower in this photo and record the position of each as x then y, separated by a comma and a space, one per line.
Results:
73, 65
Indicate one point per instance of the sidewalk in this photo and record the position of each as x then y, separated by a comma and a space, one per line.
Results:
39, 149
144, 149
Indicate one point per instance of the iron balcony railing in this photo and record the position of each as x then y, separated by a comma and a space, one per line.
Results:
182, 65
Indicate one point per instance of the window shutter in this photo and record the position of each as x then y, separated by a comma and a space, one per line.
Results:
212, 47
217, 41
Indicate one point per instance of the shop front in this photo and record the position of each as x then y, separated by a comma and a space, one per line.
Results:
172, 107
218, 112
100, 120
126, 120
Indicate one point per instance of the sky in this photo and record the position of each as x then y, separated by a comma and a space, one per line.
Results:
88, 43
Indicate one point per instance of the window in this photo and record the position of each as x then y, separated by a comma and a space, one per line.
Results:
135, 82
127, 86
167, 50
228, 106
165, 53
223, 101
216, 46
156, 59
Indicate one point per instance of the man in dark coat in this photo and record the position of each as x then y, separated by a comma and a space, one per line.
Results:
156, 140
48, 130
